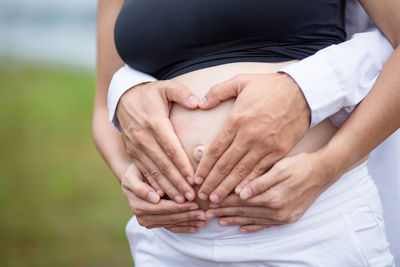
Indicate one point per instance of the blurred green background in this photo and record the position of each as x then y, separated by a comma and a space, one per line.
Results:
60, 204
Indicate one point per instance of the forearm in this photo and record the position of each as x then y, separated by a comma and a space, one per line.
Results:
377, 117
109, 143
107, 140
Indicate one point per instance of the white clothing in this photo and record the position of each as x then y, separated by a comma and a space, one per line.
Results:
344, 227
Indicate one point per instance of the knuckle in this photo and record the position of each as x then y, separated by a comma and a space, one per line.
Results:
140, 138
142, 221
223, 167
155, 174
236, 119
165, 166
215, 151
281, 216
268, 142
292, 219
241, 170
276, 202
171, 151
279, 168
252, 220
241, 212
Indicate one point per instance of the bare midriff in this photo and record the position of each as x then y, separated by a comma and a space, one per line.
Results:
197, 128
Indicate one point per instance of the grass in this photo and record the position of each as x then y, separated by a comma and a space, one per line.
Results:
59, 203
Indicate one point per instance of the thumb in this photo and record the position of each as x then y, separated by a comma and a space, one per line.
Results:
180, 94
221, 92
133, 181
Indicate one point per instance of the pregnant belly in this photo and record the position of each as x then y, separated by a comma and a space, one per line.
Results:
196, 128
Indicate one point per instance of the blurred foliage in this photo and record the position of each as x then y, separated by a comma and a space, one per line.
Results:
59, 203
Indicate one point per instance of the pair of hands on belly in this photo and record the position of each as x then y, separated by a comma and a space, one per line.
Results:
268, 118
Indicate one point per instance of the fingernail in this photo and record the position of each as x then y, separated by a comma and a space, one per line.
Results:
223, 222
179, 199
213, 205
160, 192
246, 193
198, 180
192, 101
153, 197
192, 230
238, 190
190, 180
214, 198
243, 230
210, 215
203, 196
204, 100
188, 196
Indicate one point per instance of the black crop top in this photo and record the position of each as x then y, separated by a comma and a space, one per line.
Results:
167, 38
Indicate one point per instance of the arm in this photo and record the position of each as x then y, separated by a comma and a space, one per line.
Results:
169, 214
327, 78
328, 85
373, 120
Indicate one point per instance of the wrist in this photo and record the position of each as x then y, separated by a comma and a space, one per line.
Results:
330, 161
302, 105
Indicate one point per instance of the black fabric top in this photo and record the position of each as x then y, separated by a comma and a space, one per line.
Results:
167, 38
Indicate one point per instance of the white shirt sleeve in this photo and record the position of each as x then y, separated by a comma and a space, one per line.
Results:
124, 79
337, 78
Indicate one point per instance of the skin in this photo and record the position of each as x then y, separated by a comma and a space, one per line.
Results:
111, 145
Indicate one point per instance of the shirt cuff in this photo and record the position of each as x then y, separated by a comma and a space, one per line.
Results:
311, 74
124, 79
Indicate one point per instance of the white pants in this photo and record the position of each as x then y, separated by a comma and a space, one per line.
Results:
344, 227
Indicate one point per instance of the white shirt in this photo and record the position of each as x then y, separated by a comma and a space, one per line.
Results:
333, 81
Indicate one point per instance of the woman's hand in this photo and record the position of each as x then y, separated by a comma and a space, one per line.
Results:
268, 118
151, 212
150, 140
280, 196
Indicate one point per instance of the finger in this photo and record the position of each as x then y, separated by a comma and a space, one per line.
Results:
240, 211
144, 172
153, 183
259, 169
181, 230
221, 170
181, 224
238, 173
142, 207
254, 228
214, 151
151, 171
168, 170
231, 200
179, 93
238, 220
264, 182
195, 215
173, 149
221, 92
133, 180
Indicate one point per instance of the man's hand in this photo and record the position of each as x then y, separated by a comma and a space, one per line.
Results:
150, 140
268, 118
280, 196
151, 212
